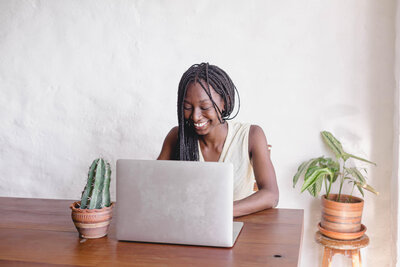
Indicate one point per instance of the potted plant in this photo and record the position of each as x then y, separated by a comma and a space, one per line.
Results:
92, 215
341, 213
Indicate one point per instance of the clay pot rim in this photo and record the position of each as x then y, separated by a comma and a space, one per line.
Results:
75, 209
358, 199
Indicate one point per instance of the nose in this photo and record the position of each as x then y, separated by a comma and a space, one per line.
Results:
196, 115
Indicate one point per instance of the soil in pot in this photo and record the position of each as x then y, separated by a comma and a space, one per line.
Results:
91, 223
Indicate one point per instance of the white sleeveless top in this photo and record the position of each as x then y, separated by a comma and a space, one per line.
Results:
236, 151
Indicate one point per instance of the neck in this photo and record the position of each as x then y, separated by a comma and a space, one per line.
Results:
217, 137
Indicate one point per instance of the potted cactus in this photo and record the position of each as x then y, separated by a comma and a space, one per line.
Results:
341, 213
92, 215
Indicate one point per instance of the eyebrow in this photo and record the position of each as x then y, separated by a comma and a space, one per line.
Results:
201, 101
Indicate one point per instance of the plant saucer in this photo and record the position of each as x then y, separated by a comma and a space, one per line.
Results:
342, 236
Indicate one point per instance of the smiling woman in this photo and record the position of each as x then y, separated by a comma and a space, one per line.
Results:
206, 99
199, 110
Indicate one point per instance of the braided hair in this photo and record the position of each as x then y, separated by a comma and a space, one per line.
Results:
206, 75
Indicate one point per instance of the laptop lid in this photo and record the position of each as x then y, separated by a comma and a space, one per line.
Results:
177, 202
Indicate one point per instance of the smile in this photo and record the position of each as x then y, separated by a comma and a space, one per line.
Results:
200, 125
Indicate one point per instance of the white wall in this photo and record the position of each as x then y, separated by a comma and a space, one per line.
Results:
79, 79
395, 184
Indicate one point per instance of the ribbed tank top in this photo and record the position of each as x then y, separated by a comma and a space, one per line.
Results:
236, 151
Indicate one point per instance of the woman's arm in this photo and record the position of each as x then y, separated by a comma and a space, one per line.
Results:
169, 146
268, 194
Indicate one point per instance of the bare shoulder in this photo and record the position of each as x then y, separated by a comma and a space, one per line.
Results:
172, 136
174, 132
256, 135
257, 139
169, 145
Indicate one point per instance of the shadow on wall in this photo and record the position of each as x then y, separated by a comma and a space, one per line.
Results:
373, 91
381, 83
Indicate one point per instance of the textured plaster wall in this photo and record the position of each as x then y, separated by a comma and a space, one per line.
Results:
396, 139
82, 79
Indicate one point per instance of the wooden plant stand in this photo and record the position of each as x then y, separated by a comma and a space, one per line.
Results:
349, 248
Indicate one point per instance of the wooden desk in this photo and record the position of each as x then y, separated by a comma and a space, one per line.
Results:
40, 232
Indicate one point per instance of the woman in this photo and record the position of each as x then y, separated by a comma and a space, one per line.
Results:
206, 99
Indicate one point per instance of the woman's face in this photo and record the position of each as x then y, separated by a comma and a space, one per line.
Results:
199, 110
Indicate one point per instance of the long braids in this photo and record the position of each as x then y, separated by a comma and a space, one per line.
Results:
187, 146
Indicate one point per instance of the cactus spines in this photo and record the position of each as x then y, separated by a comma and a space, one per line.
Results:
96, 194
105, 198
98, 184
89, 185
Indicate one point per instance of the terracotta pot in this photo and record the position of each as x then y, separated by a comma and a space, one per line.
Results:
342, 217
91, 223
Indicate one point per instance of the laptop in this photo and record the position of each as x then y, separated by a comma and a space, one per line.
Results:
176, 202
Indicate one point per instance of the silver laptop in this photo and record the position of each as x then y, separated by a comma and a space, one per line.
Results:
176, 202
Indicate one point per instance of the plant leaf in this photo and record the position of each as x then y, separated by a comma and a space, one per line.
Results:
335, 176
313, 176
310, 171
355, 157
334, 145
300, 171
360, 189
316, 187
303, 168
367, 187
334, 166
356, 174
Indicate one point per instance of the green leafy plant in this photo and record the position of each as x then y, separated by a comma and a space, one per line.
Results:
96, 194
318, 171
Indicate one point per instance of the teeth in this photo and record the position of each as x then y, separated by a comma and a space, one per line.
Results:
200, 124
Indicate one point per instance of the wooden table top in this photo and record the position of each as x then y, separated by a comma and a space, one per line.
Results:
40, 232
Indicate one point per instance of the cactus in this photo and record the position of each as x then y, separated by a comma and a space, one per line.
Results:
96, 194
